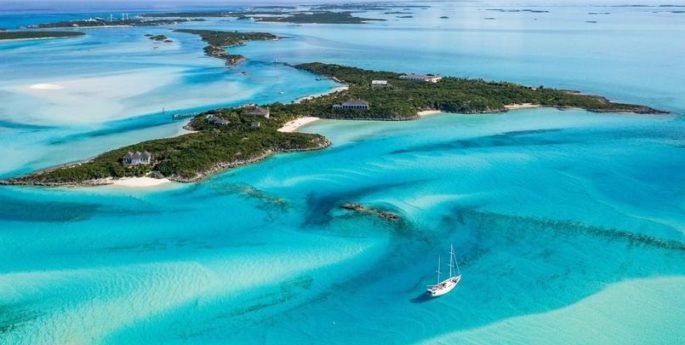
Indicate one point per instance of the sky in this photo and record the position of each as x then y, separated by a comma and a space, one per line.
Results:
95, 5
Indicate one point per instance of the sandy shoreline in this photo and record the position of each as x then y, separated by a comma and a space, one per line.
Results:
428, 112
522, 106
28, 39
139, 182
334, 90
294, 125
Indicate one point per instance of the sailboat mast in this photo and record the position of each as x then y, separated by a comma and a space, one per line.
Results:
451, 260
438, 271
457, 264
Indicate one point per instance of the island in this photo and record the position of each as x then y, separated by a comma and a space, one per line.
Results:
25, 35
231, 137
158, 38
325, 17
402, 96
210, 14
218, 41
220, 139
99, 22
366, 6
296, 17
359, 208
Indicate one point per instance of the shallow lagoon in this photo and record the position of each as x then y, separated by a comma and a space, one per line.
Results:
562, 219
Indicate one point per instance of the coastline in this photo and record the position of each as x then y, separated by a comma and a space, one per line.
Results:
424, 113
332, 91
29, 39
294, 125
139, 182
100, 167
148, 182
518, 106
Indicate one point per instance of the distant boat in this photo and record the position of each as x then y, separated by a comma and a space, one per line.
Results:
179, 116
445, 286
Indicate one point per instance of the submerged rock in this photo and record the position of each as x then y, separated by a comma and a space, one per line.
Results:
359, 208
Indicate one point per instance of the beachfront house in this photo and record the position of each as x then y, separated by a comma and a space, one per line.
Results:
352, 105
255, 124
216, 120
379, 83
137, 158
429, 78
254, 110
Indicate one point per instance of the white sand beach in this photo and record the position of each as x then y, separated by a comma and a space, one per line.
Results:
334, 90
140, 182
294, 125
429, 112
518, 106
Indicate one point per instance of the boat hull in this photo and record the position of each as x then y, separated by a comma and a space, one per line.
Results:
443, 287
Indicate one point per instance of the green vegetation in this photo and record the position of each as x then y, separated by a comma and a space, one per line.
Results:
366, 6
117, 22
209, 14
206, 14
227, 138
319, 18
218, 41
403, 99
277, 14
191, 156
17, 35
275, 7
158, 38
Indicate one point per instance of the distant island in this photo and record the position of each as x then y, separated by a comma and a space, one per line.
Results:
99, 22
24, 35
296, 17
211, 14
516, 10
158, 38
226, 138
218, 41
366, 6
318, 18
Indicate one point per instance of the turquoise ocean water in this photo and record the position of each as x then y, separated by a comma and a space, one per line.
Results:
569, 226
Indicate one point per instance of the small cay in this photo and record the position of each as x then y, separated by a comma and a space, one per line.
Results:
218, 41
359, 208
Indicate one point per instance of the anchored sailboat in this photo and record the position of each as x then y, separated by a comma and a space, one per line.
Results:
445, 286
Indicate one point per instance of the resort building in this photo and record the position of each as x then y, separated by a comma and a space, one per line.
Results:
254, 110
429, 78
138, 158
352, 105
216, 120
379, 83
